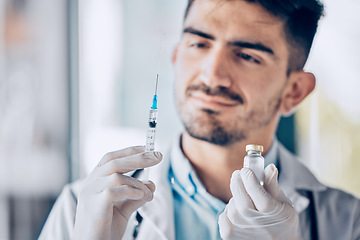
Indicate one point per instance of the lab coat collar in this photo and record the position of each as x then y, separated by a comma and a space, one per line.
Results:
295, 176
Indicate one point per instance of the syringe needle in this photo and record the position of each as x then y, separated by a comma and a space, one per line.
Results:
157, 80
154, 103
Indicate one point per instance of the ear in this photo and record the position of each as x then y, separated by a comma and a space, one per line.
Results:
174, 55
300, 84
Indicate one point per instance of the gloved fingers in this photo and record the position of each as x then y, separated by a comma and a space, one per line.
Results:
124, 192
129, 163
230, 219
225, 226
266, 219
150, 185
239, 218
117, 180
126, 208
271, 184
262, 200
241, 198
121, 153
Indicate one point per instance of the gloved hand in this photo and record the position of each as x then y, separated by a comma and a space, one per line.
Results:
108, 198
256, 211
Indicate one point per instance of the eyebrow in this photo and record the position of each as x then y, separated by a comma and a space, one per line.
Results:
255, 46
199, 33
242, 44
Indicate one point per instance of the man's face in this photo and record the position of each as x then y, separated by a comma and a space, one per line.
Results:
230, 68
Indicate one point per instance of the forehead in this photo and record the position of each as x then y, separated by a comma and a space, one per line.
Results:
233, 20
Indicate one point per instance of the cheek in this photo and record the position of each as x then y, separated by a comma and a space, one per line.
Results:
269, 82
185, 73
179, 92
261, 89
180, 84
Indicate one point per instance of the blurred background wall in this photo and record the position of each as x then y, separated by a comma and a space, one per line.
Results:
33, 113
328, 124
77, 79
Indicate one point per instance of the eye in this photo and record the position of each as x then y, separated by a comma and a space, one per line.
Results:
198, 45
247, 57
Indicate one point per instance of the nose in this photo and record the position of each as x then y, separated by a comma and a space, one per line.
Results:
215, 69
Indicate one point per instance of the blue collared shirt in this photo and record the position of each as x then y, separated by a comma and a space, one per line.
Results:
196, 210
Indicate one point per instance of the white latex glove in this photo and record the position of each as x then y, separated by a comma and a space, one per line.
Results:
108, 198
256, 211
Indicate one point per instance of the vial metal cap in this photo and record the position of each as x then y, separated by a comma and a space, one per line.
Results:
254, 147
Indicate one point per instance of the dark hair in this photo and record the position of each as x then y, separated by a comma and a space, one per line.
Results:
301, 21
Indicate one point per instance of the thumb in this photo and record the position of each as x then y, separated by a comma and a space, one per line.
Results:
271, 184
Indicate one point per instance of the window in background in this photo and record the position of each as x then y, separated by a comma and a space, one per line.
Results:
100, 56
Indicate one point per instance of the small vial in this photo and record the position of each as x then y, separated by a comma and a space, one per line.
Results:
255, 161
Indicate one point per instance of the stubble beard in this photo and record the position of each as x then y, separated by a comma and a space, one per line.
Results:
207, 127
205, 124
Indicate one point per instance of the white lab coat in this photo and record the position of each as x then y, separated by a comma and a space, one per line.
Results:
324, 213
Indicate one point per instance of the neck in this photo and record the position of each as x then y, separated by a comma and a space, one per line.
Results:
215, 164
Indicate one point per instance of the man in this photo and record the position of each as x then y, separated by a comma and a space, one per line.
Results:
239, 67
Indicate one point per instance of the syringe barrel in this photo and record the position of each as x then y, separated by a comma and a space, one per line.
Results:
150, 136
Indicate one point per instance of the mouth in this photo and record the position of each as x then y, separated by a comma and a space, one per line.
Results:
210, 101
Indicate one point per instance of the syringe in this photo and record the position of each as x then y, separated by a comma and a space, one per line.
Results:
153, 114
